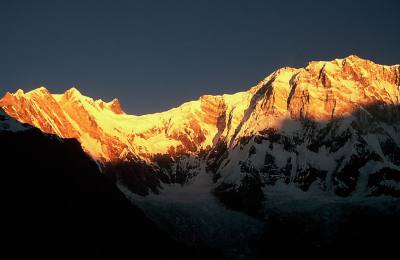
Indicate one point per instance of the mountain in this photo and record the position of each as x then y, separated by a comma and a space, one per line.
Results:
55, 202
107, 133
331, 126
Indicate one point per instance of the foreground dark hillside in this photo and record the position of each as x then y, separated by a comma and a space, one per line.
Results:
55, 203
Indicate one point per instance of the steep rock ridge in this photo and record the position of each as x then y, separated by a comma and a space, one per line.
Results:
40, 109
333, 124
333, 89
107, 133
320, 92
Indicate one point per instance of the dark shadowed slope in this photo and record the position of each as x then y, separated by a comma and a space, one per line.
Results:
55, 203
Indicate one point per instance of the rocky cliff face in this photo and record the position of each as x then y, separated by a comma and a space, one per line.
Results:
332, 125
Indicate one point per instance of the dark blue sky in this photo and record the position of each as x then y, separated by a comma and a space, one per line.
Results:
154, 55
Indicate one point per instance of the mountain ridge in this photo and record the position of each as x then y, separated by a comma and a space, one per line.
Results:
330, 124
289, 89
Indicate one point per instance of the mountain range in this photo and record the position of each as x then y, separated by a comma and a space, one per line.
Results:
332, 124
331, 128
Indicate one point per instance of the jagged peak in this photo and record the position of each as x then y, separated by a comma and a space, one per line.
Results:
115, 106
354, 57
282, 74
284, 70
351, 58
72, 93
18, 93
39, 90
357, 59
278, 73
210, 98
339, 66
100, 103
114, 101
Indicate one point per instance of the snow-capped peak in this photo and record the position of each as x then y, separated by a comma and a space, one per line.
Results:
115, 106
72, 93
320, 91
38, 91
19, 93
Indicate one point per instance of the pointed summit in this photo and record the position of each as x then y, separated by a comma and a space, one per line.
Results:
38, 91
73, 90
19, 93
354, 57
72, 93
10, 97
115, 106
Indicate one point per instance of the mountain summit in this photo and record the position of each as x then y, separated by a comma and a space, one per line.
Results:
334, 124
320, 91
